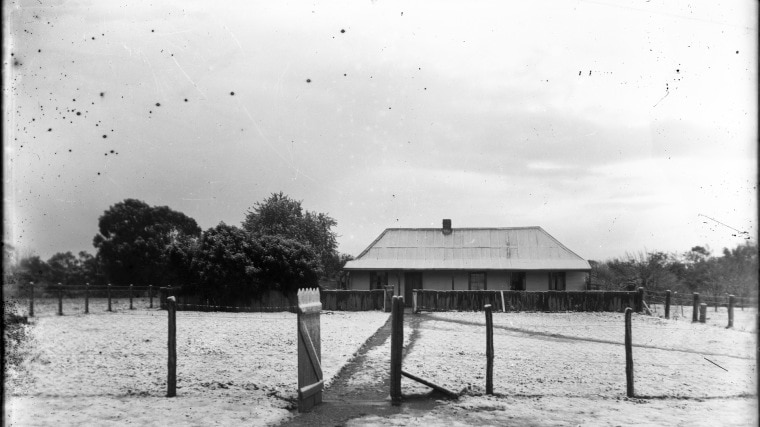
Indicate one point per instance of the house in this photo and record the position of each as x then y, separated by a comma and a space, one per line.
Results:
446, 258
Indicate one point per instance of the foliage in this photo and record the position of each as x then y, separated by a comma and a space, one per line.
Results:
285, 264
134, 238
222, 263
279, 215
33, 269
735, 272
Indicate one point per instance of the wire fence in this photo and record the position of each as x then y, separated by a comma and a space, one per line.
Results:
227, 353
581, 355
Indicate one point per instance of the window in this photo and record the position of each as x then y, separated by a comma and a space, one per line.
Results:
477, 281
378, 279
518, 281
557, 281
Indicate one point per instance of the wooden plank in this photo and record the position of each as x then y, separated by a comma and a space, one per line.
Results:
431, 385
311, 351
310, 390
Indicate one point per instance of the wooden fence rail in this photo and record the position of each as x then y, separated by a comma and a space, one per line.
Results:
545, 301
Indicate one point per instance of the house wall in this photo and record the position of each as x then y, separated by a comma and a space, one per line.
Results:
536, 281
496, 280
575, 280
359, 280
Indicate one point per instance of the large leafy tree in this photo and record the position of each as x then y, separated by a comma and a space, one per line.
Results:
222, 262
134, 238
33, 269
285, 264
279, 215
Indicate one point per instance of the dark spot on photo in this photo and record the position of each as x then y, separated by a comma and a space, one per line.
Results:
232, 93
308, 80
105, 136
185, 99
158, 104
102, 94
79, 113
50, 129
342, 31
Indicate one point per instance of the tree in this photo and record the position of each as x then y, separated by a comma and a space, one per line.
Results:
134, 238
737, 269
223, 264
33, 269
285, 264
279, 215
65, 269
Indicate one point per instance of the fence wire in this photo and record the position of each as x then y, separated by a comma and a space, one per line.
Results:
581, 355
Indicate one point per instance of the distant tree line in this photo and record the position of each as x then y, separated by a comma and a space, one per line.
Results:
733, 271
279, 246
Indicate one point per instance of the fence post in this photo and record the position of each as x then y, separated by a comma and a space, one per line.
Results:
628, 354
695, 308
639, 299
397, 341
414, 301
130, 297
60, 299
171, 380
731, 311
702, 313
86, 298
667, 304
108, 289
489, 349
31, 299
150, 295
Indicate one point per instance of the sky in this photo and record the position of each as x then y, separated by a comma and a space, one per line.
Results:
616, 126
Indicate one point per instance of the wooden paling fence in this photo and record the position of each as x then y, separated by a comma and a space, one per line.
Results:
544, 301
353, 300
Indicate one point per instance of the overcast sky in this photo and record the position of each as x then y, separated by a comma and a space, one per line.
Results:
617, 126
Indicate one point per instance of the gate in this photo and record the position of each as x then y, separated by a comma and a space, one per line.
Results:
310, 381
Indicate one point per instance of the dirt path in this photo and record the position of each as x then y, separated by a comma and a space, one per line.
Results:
362, 387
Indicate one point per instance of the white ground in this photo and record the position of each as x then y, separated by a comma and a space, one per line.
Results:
232, 368
569, 369
240, 369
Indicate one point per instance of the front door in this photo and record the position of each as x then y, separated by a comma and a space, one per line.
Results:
411, 281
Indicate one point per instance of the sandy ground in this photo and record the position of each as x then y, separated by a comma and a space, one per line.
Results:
232, 368
569, 369
239, 369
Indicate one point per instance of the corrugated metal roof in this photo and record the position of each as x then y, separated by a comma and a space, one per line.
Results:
520, 248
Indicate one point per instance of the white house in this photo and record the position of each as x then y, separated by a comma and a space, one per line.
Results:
513, 258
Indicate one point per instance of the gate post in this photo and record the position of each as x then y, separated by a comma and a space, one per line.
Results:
397, 342
310, 381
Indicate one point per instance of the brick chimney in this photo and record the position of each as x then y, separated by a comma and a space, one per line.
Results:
446, 227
